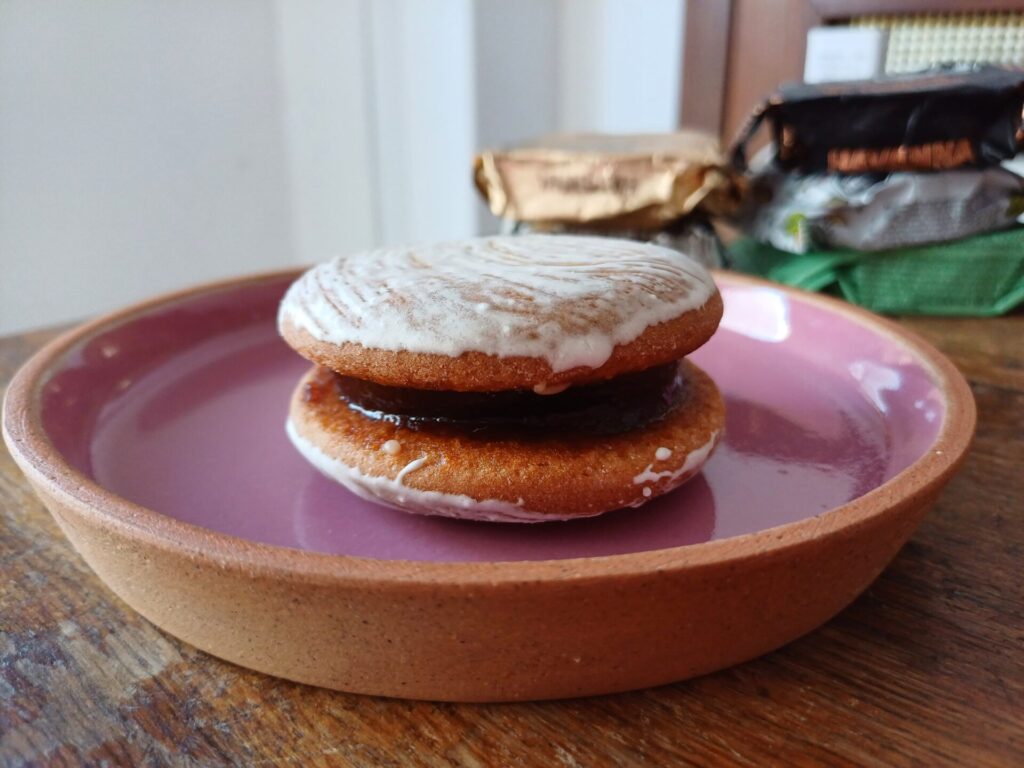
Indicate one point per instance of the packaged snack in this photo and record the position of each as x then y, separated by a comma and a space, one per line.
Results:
798, 213
978, 276
951, 117
657, 188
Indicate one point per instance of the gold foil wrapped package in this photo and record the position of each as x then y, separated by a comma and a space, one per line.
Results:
607, 183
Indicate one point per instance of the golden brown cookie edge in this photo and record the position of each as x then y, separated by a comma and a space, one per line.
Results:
577, 476
480, 372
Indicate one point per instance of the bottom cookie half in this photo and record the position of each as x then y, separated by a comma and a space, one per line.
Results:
504, 478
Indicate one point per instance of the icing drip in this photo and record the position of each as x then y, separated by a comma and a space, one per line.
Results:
412, 466
567, 300
694, 460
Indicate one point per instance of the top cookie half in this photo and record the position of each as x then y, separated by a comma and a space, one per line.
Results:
497, 313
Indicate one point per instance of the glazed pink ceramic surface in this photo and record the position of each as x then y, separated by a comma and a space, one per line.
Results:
155, 436
182, 410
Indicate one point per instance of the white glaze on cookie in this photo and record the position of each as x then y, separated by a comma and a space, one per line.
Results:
394, 493
694, 461
567, 300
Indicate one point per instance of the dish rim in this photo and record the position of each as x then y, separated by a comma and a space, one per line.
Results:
33, 451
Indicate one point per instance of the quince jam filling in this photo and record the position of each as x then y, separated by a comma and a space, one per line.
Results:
627, 402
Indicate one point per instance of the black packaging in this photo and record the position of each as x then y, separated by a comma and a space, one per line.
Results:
950, 117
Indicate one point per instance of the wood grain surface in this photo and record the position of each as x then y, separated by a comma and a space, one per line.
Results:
926, 668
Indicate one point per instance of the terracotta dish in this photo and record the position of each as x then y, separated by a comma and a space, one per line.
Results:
155, 437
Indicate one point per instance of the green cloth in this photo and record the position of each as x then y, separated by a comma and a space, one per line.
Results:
981, 275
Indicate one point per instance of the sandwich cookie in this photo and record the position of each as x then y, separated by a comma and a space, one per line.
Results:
507, 378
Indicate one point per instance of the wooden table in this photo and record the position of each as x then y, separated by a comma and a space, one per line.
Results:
925, 668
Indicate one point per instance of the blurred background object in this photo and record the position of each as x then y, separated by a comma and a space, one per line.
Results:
660, 188
845, 53
146, 146
891, 192
887, 191
737, 51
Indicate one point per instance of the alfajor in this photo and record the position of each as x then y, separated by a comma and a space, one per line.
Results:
512, 379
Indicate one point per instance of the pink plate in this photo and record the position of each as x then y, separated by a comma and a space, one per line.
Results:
183, 411
178, 409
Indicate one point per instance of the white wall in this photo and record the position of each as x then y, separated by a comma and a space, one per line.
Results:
423, 75
148, 145
517, 95
621, 64
329, 128
140, 150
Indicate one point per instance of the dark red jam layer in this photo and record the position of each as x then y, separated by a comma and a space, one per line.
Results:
610, 407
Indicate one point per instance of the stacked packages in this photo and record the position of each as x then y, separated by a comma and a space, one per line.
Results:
893, 193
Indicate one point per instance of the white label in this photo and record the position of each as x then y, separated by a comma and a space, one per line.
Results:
844, 53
